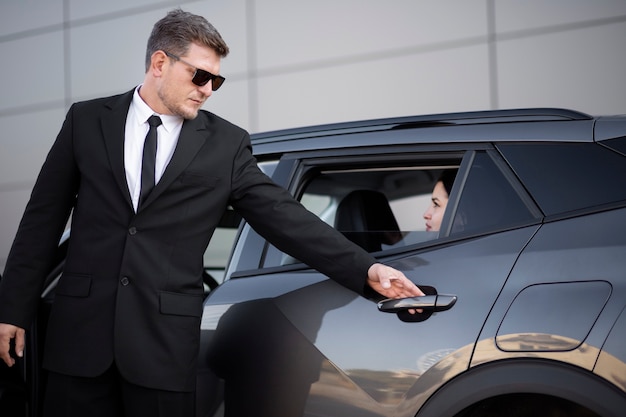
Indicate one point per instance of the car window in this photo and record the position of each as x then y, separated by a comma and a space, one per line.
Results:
376, 206
565, 177
617, 144
381, 207
490, 200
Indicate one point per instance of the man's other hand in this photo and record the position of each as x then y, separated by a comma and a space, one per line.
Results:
8, 332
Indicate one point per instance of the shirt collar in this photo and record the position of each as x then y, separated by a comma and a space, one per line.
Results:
143, 112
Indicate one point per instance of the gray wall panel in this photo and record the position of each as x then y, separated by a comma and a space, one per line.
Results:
300, 63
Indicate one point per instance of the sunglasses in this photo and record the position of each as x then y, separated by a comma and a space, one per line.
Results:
200, 76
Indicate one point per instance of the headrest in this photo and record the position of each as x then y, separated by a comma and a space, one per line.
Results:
365, 217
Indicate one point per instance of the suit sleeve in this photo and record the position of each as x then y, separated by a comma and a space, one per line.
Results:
289, 226
44, 219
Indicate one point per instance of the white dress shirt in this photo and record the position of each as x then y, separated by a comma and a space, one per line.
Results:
135, 135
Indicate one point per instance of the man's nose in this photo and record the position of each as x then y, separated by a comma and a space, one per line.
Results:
207, 89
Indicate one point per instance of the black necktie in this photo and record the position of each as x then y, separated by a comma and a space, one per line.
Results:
149, 159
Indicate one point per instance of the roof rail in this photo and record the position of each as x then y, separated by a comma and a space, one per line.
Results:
472, 117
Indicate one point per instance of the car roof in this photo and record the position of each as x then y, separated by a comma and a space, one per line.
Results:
530, 124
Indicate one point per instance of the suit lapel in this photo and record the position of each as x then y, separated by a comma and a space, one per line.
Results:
113, 127
192, 137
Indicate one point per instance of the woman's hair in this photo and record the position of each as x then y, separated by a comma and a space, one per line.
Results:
447, 178
178, 29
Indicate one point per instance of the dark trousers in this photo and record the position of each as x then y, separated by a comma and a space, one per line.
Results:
109, 395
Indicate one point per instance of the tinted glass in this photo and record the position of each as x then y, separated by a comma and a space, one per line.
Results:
618, 144
377, 207
569, 176
489, 201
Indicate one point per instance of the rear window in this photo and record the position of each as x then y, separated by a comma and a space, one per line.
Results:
567, 177
489, 201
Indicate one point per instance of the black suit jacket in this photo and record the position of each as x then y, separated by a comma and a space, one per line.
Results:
131, 290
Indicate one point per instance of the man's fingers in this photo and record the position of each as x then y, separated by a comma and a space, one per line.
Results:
407, 287
7, 333
19, 342
385, 283
391, 283
4, 352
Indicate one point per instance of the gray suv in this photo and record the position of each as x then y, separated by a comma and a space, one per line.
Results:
525, 274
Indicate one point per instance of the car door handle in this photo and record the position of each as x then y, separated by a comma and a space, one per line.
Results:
428, 303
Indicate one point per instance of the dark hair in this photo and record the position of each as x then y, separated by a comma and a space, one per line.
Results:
178, 29
447, 178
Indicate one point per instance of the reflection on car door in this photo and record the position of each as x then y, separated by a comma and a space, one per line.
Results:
320, 349
366, 362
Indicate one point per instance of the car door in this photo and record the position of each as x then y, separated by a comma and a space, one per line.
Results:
292, 342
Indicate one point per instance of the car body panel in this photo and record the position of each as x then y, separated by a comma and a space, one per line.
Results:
611, 363
584, 253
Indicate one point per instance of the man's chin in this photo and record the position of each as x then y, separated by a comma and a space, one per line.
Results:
189, 114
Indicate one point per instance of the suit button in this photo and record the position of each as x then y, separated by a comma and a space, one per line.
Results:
132, 231
124, 281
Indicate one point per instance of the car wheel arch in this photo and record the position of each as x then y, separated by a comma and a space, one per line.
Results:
529, 376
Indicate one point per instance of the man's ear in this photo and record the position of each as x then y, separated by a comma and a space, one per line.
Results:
157, 63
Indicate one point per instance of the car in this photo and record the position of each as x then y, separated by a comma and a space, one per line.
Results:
525, 283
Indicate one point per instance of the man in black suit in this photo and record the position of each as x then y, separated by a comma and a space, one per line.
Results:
123, 333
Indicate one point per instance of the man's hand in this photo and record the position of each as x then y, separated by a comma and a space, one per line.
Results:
391, 283
8, 332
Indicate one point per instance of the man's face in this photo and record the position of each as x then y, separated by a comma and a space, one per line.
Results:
177, 92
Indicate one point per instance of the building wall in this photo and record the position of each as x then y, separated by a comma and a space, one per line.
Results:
296, 63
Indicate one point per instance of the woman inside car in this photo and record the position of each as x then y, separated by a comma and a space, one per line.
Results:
434, 213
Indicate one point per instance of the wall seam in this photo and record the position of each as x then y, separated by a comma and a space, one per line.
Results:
492, 52
67, 66
251, 55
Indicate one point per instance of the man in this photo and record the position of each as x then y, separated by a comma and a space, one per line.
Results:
123, 333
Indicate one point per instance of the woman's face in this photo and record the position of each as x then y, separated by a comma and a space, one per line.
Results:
434, 214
